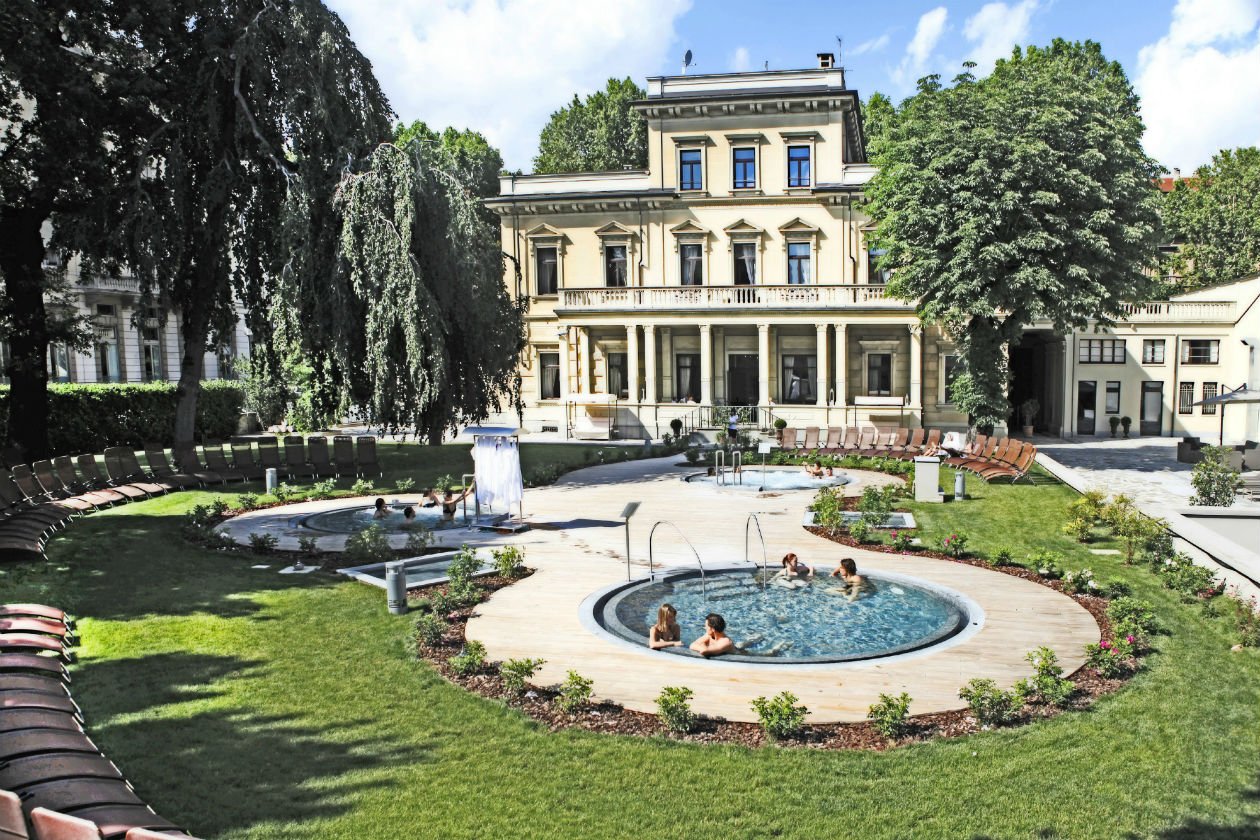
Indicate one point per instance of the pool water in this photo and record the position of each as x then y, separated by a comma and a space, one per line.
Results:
755, 479
358, 518
812, 623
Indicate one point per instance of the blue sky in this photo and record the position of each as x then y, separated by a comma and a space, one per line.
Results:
502, 66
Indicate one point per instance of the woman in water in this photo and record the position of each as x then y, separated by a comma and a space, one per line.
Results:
409, 516
855, 586
449, 502
666, 632
381, 512
794, 568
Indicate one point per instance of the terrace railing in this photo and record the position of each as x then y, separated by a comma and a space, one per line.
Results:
699, 298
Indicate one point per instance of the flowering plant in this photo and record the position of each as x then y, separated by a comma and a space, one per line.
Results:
901, 541
1111, 658
1079, 582
955, 545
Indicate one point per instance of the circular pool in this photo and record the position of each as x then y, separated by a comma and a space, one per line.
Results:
349, 520
758, 480
807, 622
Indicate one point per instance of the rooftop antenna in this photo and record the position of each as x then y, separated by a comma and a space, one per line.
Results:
839, 52
686, 62
765, 66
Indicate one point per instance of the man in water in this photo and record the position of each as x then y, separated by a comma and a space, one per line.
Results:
714, 642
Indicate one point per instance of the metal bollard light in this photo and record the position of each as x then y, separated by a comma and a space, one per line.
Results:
272, 479
396, 587
960, 485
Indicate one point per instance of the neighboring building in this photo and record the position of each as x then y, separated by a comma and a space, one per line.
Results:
736, 271
121, 351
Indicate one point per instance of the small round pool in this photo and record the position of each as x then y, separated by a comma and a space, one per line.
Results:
758, 480
349, 520
809, 623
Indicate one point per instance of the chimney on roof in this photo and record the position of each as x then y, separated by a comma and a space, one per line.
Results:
826, 61
1176, 173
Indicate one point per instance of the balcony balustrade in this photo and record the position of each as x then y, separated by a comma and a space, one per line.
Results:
1184, 311
700, 298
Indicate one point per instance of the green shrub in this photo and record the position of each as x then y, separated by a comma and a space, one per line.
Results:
575, 693
692, 454
991, 705
1088, 506
955, 545
285, 491
443, 604
1046, 564
859, 530
419, 538
440, 486
1215, 482
1246, 620
369, 546
674, 708
1080, 582
1047, 683
828, 510
1110, 659
901, 541
1114, 589
509, 561
1134, 614
1078, 529
361, 487
890, 715
322, 489
218, 508
405, 484
429, 629
247, 501
875, 505
515, 672
676, 424
470, 660
1158, 548
1004, 556
1188, 579
780, 716
263, 542
308, 545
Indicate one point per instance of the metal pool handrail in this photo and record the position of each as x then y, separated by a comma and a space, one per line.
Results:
737, 465
652, 554
765, 561
719, 465
463, 479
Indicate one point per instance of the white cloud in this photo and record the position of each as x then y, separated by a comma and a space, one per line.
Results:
740, 61
502, 66
1200, 82
873, 45
927, 34
994, 29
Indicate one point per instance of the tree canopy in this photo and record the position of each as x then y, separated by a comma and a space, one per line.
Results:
1214, 218
599, 134
1022, 196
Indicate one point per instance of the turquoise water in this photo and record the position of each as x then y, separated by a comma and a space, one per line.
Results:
352, 519
752, 478
811, 623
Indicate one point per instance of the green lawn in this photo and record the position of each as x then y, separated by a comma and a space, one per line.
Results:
245, 704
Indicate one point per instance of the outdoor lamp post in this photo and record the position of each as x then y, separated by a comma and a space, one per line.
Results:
626, 513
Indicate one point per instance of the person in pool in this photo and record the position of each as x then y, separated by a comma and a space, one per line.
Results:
714, 642
409, 516
815, 469
381, 512
855, 586
449, 502
794, 568
666, 632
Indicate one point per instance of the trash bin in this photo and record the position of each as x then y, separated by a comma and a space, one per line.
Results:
960, 485
272, 479
396, 587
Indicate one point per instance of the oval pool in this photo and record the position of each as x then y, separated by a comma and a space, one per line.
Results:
755, 479
777, 624
349, 520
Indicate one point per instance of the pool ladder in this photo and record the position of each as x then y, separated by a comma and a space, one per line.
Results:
737, 466
765, 562
652, 553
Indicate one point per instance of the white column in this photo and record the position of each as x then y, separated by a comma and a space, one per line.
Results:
916, 365
649, 361
632, 361
584, 360
706, 365
842, 365
763, 364
821, 355
565, 383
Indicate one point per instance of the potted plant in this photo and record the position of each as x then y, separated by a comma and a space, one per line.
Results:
676, 424
779, 425
1115, 424
1028, 410
1126, 422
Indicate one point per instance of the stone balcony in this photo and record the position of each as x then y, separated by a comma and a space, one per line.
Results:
727, 298
1179, 311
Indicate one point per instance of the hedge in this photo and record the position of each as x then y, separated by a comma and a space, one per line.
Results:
88, 418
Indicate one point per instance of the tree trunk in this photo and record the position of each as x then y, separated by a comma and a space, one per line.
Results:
21, 264
191, 369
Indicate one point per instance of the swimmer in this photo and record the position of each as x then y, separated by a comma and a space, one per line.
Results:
794, 568
666, 632
855, 586
714, 642
381, 512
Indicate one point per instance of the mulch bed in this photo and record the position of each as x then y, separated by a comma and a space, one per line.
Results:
610, 718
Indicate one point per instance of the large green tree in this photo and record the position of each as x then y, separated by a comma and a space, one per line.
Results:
441, 337
1022, 196
1214, 218
598, 134
73, 81
259, 107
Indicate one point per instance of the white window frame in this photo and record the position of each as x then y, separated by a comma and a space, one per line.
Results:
153, 321
704, 168
544, 236
871, 347
101, 323
787, 164
550, 351
809, 243
759, 278
1153, 344
1215, 350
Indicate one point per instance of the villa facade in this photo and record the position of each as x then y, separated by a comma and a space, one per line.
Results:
735, 274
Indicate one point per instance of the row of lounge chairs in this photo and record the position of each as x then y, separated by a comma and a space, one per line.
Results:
52, 775
987, 457
38, 499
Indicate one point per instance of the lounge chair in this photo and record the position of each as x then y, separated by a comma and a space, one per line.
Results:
343, 456
73, 795
37, 741
57, 826
50, 479
29, 643
851, 437
20, 508
217, 462
12, 823
365, 452
14, 700
269, 456
295, 457
788, 440
48, 627
64, 466
37, 493
243, 460
913, 446
109, 821
970, 452
30, 663
811, 438
32, 611
866, 443
123, 468
317, 447
185, 455
162, 472
835, 435
95, 479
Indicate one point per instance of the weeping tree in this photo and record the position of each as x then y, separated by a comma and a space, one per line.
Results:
257, 107
1019, 197
441, 337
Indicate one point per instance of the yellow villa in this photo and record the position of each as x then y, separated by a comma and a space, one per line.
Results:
735, 275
